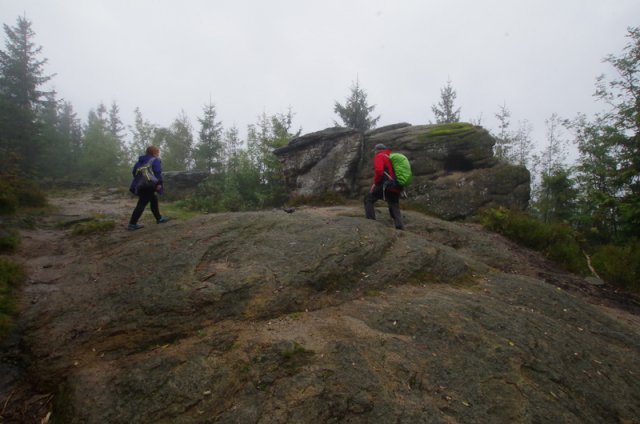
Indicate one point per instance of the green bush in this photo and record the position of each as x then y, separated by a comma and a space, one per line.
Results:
17, 192
11, 276
9, 240
8, 199
619, 265
558, 242
30, 195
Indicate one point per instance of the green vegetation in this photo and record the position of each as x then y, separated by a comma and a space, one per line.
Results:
356, 112
558, 242
16, 193
94, 226
176, 210
619, 265
294, 356
445, 111
11, 276
456, 128
9, 240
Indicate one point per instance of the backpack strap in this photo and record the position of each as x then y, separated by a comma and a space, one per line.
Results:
149, 163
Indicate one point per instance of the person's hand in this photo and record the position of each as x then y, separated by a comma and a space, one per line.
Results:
373, 186
159, 187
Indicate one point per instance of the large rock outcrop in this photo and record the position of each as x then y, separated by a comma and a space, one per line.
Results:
318, 316
455, 172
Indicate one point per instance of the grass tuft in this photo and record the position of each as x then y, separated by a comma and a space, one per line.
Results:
94, 226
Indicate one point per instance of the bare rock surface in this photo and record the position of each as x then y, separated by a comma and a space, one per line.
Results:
314, 316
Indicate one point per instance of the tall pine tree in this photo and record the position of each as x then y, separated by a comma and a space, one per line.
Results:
143, 133
622, 94
356, 112
445, 111
209, 152
21, 99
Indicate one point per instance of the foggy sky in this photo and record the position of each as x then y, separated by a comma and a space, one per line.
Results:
248, 57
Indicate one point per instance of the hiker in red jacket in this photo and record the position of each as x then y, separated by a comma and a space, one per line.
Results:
384, 187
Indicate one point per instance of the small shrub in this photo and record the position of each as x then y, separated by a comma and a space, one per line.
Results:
619, 265
17, 192
9, 240
92, 227
29, 194
8, 202
11, 276
558, 242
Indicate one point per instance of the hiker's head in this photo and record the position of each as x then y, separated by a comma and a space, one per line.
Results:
153, 151
379, 147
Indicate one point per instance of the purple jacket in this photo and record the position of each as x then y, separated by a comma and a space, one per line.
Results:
156, 166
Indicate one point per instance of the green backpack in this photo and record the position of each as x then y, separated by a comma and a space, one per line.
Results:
401, 168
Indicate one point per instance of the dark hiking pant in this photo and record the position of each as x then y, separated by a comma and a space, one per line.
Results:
144, 198
393, 201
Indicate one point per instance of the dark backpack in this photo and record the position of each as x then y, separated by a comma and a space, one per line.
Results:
145, 177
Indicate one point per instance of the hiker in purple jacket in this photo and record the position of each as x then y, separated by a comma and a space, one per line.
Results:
147, 195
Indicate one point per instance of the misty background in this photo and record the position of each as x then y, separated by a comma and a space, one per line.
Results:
253, 57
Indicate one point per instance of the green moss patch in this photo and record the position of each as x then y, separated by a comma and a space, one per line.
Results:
454, 129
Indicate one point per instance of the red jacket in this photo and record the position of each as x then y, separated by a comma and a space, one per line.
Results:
382, 164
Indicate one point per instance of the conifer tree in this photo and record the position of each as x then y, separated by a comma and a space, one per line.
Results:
103, 158
21, 98
116, 128
176, 143
143, 133
503, 146
356, 112
445, 111
622, 94
233, 144
209, 152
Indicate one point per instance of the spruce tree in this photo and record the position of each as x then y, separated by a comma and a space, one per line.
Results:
176, 144
622, 94
232, 146
103, 158
143, 135
209, 153
504, 141
445, 111
21, 98
356, 112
